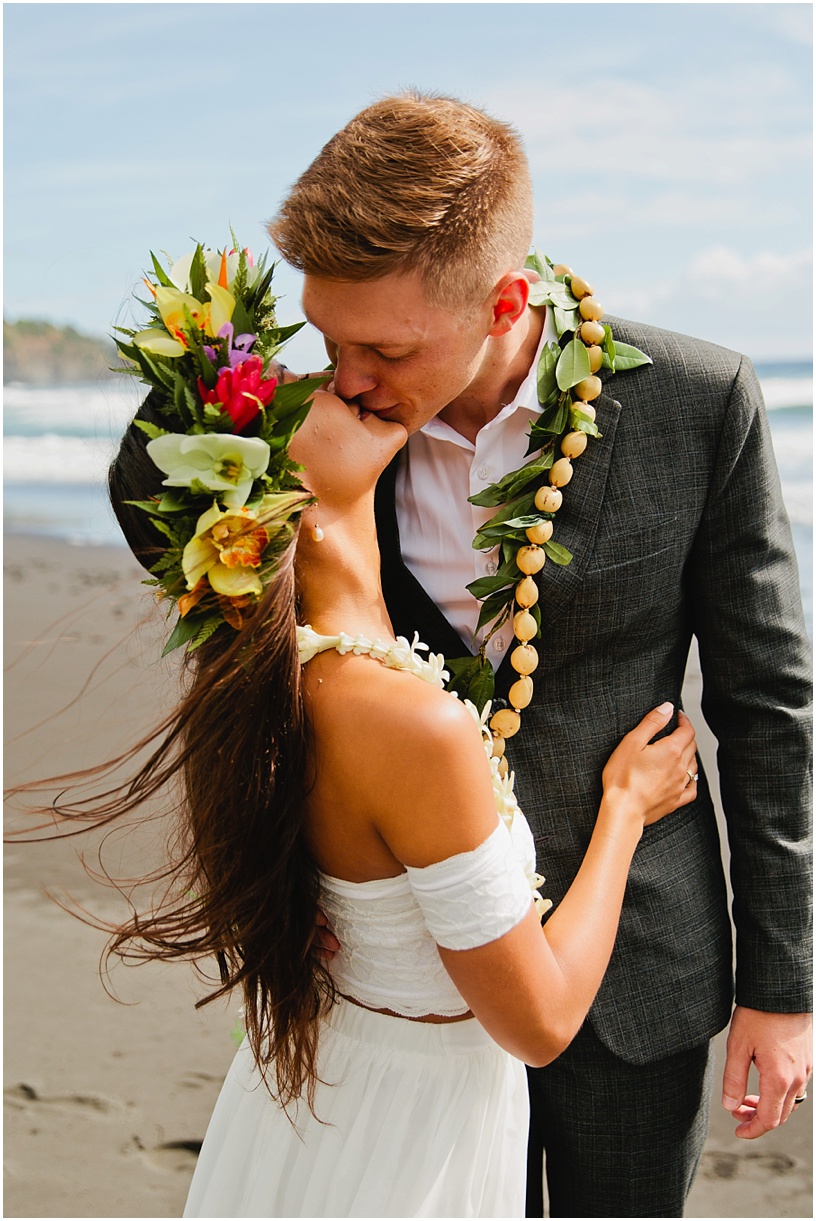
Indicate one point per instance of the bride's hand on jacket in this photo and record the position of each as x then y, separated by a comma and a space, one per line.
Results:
653, 778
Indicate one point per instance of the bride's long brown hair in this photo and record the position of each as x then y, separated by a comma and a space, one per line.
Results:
241, 886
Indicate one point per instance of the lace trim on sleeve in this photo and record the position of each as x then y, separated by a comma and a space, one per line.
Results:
474, 897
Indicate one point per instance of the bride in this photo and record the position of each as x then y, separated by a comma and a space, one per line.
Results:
325, 767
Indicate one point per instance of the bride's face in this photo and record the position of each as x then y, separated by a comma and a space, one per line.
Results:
343, 454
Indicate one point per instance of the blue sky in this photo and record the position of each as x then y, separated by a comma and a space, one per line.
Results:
670, 143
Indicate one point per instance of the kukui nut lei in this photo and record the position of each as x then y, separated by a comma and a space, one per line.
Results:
529, 498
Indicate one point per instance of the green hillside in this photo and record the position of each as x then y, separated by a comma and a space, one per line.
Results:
40, 354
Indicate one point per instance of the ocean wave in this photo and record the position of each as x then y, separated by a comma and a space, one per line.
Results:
75, 411
104, 410
781, 392
58, 459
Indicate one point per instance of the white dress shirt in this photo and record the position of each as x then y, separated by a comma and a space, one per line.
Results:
439, 470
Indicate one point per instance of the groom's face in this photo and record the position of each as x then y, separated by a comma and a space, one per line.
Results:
394, 353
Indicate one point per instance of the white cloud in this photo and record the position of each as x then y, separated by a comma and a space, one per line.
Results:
758, 302
720, 271
791, 21
714, 130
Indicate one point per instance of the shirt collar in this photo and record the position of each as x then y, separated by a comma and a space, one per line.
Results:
526, 397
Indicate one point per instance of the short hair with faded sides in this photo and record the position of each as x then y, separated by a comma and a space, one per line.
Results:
414, 183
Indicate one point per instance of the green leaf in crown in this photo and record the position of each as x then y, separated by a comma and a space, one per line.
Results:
529, 498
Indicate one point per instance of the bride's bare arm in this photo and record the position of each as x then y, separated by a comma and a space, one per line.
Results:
530, 990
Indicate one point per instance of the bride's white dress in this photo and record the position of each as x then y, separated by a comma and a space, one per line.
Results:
412, 1118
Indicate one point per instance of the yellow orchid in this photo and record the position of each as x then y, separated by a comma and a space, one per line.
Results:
227, 545
210, 315
225, 548
221, 305
158, 342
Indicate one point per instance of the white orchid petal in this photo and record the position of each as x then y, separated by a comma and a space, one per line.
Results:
179, 273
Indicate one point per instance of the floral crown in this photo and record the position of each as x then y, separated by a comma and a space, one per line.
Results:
232, 492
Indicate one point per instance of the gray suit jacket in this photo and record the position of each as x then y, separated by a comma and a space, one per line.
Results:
676, 523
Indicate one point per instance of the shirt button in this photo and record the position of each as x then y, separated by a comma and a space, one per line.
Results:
499, 644
490, 567
483, 472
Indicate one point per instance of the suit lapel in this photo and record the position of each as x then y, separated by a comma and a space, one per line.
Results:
576, 524
410, 606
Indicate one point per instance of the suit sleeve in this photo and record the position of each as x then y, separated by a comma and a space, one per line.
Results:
744, 591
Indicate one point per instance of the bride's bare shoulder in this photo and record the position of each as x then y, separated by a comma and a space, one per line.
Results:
407, 756
360, 691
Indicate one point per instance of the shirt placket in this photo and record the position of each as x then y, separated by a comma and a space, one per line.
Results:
484, 470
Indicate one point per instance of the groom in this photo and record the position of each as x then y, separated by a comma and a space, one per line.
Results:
412, 226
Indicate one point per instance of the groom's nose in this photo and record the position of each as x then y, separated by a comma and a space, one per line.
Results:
351, 376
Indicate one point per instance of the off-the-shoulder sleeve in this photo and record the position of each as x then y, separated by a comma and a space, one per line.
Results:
474, 897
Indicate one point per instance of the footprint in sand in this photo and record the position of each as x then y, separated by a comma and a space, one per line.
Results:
193, 1080
23, 1096
752, 1166
171, 1156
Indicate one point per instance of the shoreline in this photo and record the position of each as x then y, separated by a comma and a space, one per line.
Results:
106, 1103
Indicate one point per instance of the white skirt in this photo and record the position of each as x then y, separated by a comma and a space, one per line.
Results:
421, 1119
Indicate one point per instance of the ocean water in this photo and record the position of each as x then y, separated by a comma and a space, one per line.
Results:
59, 441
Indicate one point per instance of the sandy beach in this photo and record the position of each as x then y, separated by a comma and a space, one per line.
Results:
107, 1101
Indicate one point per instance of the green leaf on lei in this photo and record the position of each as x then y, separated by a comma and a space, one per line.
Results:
472, 678
546, 384
573, 365
558, 554
628, 357
565, 320
482, 586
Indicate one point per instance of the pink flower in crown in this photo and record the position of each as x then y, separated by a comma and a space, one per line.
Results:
241, 391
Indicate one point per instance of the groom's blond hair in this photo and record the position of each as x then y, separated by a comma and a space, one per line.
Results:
414, 183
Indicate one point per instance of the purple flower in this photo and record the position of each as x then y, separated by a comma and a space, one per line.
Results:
237, 348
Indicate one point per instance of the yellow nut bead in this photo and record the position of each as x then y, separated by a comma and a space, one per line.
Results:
561, 473
521, 692
527, 592
591, 332
580, 288
586, 409
530, 559
595, 355
505, 722
498, 746
524, 659
574, 444
542, 533
524, 626
548, 500
561, 269
591, 309
504, 766
588, 389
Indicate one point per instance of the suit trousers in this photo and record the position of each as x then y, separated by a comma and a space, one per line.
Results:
621, 1140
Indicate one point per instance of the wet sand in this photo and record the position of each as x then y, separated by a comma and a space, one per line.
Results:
107, 1102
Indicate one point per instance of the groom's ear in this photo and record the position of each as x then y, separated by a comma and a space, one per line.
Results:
509, 301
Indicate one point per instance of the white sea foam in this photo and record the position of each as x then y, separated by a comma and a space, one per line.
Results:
58, 436
53, 459
787, 392
79, 411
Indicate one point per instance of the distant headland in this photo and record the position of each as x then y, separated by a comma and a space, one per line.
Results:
40, 354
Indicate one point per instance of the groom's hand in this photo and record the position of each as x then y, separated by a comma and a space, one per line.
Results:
779, 1044
325, 940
